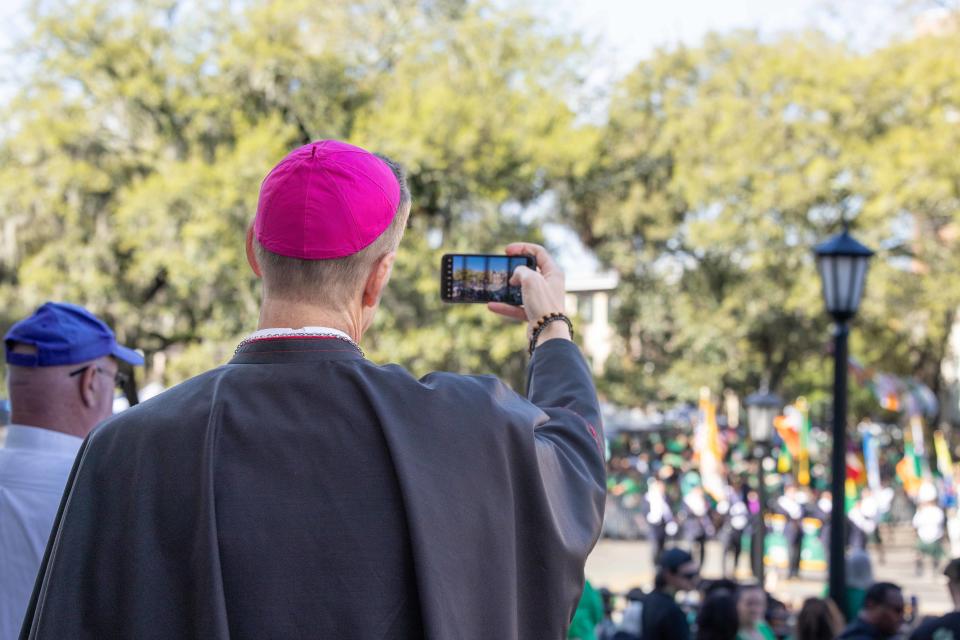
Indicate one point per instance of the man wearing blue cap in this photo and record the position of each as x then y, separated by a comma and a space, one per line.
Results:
63, 364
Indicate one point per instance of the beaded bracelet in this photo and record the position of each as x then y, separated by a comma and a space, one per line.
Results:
542, 324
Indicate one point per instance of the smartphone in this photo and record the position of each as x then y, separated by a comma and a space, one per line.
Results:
472, 277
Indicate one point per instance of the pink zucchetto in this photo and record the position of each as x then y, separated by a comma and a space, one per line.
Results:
325, 200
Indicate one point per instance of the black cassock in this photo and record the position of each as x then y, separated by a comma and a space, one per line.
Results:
301, 491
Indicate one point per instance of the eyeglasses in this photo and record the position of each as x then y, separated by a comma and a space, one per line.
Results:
120, 378
690, 575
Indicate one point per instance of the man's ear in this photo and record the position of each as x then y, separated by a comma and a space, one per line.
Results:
378, 278
88, 386
251, 254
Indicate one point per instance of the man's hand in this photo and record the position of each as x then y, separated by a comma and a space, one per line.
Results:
543, 291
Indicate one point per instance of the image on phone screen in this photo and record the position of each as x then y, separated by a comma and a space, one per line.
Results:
481, 278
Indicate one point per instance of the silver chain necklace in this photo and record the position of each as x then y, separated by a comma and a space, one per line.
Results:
295, 335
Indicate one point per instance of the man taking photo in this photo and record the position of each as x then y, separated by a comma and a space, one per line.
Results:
235, 508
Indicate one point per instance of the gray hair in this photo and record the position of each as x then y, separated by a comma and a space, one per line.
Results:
333, 281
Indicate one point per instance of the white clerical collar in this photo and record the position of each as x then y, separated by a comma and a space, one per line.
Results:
278, 332
20, 436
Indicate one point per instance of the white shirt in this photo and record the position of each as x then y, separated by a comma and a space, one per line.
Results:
928, 521
790, 506
34, 466
659, 509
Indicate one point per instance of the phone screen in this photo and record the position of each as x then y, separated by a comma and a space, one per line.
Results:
481, 278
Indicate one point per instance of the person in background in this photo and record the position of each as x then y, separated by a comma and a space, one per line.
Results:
721, 585
821, 510
663, 619
863, 517
632, 620
929, 523
736, 519
859, 579
789, 505
588, 615
697, 525
717, 618
659, 517
778, 618
751, 609
881, 616
819, 619
63, 366
607, 627
945, 627
758, 528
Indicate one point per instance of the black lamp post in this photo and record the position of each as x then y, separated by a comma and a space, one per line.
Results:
842, 263
762, 408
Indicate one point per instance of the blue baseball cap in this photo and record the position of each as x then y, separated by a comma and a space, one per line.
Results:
64, 334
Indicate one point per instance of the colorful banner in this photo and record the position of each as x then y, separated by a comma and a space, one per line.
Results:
894, 393
708, 448
871, 459
919, 446
793, 427
911, 468
788, 427
944, 459
803, 469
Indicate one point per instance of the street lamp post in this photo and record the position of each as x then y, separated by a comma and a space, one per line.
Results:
842, 263
762, 408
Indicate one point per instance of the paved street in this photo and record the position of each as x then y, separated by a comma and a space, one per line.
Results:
620, 565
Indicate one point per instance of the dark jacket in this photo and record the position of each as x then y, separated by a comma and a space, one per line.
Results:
301, 491
663, 619
860, 630
947, 626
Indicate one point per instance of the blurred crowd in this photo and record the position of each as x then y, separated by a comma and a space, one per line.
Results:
682, 606
760, 510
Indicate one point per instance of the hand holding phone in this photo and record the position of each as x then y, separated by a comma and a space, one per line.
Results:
543, 290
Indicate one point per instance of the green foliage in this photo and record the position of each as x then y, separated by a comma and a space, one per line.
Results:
134, 154
722, 165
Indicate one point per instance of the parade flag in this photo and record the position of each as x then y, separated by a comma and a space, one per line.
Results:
784, 460
789, 427
887, 389
919, 446
708, 449
856, 470
803, 470
871, 459
894, 393
907, 471
910, 468
944, 460
920, 399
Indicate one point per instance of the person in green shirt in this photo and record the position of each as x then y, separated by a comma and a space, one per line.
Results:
751, 605
588, 615
859, 579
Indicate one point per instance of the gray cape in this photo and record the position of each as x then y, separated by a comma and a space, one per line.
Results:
301, 491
